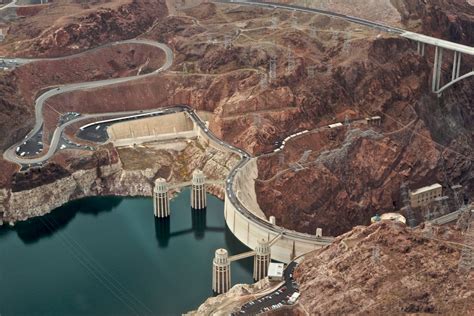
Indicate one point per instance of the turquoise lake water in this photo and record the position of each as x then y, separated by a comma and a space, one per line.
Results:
110, 256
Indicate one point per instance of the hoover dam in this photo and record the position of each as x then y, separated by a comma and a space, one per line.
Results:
252, 156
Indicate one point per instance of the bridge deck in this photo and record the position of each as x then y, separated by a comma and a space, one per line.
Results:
188, 183
242, 256
439, 42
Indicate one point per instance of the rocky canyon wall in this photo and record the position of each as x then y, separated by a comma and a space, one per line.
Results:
35, 195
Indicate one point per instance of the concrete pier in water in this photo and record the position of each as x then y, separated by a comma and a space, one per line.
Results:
261, 259
161, 201
198, 190
221, 272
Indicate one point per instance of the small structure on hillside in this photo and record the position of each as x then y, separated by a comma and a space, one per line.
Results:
2, 34
396, 217
425, 195
374, 120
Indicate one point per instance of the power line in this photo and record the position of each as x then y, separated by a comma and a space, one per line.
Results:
101, 268
84, 263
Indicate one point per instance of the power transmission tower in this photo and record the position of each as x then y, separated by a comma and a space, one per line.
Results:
405, 197
272, 72
322, 5
264, 82
311, 71
227, 41
281, 159
428, 231
458, 192
275, 21
294, 21
347, 121
257, 121
290, 62
347, 38
376, 254
313, 32
334, 33
466, 259
210, 40
305, 156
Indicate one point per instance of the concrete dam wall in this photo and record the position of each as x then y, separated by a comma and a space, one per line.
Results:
157, 128
248, 230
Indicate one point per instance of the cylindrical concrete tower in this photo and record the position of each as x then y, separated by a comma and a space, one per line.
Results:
221, 272
198, 191
261, 260
160, 199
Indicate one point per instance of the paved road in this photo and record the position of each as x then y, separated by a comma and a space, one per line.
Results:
279, 296
10, 5
10, 154
353, 19
386, 28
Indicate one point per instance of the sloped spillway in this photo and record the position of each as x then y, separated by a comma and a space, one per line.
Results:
109, 256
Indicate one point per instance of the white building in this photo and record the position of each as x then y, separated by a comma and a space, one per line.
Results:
425, 195
2, 35
275, 271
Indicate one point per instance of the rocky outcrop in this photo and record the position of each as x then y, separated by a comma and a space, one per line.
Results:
387, 269
345, 185
451, 20
419, 137
381, 269
38, 192
87, 28
20, 87
364, 74
230, 302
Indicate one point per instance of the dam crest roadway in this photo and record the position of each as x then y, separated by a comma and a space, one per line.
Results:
246, 223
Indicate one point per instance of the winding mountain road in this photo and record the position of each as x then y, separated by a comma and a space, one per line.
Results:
10, 153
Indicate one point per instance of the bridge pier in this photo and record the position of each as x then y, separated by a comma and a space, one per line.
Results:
420, 48
161, 202
261, 259
438, 62
221, 272
456, 65
198, 191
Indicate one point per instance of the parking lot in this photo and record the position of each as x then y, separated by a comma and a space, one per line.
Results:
275, 299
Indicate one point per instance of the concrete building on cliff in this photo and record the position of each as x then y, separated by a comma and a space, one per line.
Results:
425, 195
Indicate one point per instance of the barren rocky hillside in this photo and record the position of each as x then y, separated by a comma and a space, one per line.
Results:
387, 269
327, 70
